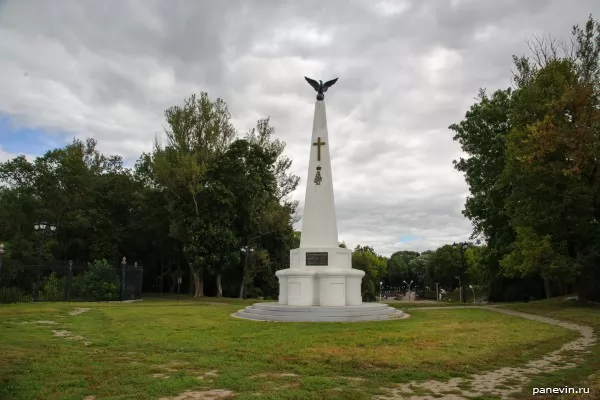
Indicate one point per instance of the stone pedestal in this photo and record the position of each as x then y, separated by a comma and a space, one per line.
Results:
335, 284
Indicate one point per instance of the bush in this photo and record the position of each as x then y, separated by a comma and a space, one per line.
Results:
368, 289
100, 282
53, 288
77, 291
14, 295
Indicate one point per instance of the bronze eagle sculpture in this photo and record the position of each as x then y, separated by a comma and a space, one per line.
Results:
320, 87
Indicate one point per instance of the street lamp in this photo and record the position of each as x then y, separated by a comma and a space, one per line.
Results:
1, 255
43, 228
408, 284
380, 288
462, 247
471, 287
123, 265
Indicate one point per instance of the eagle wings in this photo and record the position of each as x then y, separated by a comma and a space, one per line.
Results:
320, 86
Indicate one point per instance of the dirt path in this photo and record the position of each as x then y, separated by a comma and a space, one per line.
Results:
502, 382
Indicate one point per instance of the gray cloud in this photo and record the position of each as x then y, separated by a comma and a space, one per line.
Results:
407, 70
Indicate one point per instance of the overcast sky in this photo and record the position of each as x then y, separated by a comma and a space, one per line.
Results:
408, 69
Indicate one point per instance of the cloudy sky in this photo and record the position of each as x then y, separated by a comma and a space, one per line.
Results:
408, 69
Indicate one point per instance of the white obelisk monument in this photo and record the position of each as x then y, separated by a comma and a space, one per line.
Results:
320, 272
320, 285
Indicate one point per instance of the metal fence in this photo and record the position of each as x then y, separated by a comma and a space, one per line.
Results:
51, 283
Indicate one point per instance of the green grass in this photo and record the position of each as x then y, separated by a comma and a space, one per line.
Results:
184, 340
587, 374
405, 305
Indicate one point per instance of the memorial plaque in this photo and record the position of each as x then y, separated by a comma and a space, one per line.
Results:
317, 258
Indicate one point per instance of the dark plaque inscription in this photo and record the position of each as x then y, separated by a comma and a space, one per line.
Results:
318, 258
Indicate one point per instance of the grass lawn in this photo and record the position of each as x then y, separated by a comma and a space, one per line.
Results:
420, 304
162, 348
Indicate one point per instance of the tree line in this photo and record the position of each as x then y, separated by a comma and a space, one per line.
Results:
532, 170
213, 207
209, 204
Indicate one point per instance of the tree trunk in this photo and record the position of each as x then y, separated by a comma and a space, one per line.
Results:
245, 273
547, 287
198, 283
173, 282
219, 286
583, 285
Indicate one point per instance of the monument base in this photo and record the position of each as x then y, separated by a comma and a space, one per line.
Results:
320, 286
320, 276
284, 313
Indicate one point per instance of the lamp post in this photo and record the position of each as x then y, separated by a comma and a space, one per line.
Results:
247, 251
43, 228
1, 256
462, 247
123, 265
380, 289
471, 287
437, 291
408, 284
460, 287
68, 280
178, 285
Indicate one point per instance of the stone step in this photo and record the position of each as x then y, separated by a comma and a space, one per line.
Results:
305, 317
322, 312
277, 307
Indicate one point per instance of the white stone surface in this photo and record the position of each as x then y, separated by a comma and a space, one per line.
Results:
319, 224
336, 284
329, 292
284, 313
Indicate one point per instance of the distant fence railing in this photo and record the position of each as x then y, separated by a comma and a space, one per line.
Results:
44, 283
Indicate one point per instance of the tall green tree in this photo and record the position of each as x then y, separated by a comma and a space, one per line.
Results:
482, 135
198, 133
265, 212
553, 170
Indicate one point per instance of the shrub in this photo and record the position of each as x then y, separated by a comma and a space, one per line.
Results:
14, 295
368, 289
100, 281
53, 288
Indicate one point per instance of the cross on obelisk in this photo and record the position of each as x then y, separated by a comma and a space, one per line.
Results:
318, 143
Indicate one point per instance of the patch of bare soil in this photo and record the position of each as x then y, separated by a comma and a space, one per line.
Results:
89, 398
38, 322
78, 311
215, 394
502, 382
69, 336
274, 375
353, 378
273, 379
165, 371
209, 375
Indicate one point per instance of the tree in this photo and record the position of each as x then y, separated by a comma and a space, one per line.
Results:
444, 265
245, 171
553, 170
198, 133
264, 212
374, 266
482, 135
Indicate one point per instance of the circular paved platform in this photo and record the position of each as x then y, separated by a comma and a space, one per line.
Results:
285, 313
